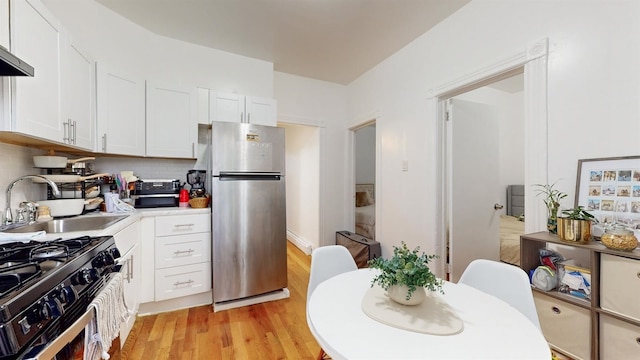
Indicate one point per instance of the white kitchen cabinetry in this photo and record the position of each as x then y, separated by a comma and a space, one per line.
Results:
243, 109
182, 255
607, 326
78, 96
36, 37
63, 86
172, 128
202, 114
121, 111
128, 243
4, 23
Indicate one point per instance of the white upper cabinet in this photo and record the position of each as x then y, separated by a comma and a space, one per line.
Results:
172, 127
242, 109
36, 37
121, 111
78, 97
4, 23
261, 111
203, 106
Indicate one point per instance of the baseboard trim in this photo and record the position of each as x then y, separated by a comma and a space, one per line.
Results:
299, 242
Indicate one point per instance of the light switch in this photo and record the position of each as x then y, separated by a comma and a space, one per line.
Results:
405, 165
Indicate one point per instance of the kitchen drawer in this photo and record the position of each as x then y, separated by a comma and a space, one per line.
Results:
620, 285
181, 281
183, 250
565, 326
618, 339
182, 224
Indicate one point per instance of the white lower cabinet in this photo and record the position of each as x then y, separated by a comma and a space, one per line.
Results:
565, 326
179, 251
183, 280
127, 241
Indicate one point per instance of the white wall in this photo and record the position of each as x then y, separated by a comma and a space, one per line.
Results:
322, 104
303, 184
110, 37
365, 156
593, 87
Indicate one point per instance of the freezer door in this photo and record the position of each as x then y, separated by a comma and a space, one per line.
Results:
247, 148
249, 236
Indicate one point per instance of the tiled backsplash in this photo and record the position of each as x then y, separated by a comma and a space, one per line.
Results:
16, 161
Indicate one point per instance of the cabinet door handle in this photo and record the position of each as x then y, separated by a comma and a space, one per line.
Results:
241, 117
75, 127
556, 310
178, 252
104, 143
178, 283
65, 125
248, 118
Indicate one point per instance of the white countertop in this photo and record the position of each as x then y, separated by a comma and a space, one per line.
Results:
131, 218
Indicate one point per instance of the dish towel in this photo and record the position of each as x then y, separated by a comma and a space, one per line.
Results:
110, 310
22, 237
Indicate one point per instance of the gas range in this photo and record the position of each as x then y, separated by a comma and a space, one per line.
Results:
46, 286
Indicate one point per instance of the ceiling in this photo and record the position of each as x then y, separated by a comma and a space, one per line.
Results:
331, 40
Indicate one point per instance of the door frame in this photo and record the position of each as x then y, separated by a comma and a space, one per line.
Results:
374, 119
533, 62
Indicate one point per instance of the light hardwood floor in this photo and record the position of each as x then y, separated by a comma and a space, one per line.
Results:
272, 330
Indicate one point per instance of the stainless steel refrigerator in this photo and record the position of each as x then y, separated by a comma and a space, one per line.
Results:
249, 251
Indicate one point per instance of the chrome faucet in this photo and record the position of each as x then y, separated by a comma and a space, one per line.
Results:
8, 216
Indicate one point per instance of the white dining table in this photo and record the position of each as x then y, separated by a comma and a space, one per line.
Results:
492, 328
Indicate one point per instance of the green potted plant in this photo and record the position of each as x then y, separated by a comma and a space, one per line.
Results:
575, 225
406, 275
551, 199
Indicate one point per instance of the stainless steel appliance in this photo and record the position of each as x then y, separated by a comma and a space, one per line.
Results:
249, 251
156, 193
46, 286
11, 65
197, 178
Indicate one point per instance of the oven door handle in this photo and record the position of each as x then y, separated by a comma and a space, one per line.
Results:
127, 258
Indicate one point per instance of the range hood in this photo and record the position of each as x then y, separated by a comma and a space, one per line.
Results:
11, 65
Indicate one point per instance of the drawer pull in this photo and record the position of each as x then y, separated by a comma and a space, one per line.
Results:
178, 252
178, 283
556, 310
183, 225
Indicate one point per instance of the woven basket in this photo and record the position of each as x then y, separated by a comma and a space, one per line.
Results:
200, 202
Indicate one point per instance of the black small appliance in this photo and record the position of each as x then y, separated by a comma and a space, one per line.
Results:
196, 179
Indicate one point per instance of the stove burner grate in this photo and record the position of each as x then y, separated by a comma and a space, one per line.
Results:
13, 277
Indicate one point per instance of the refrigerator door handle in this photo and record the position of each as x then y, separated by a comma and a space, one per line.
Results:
248, 176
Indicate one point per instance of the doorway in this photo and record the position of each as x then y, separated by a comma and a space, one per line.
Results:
364, 140
484, 153
302, 158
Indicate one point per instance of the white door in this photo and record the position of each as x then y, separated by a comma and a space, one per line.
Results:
473, 151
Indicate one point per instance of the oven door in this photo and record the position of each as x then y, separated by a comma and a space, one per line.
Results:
53, 347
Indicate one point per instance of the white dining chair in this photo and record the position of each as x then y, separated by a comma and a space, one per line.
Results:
327, 262
504, 281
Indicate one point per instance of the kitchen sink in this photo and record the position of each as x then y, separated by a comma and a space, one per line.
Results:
89, 223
